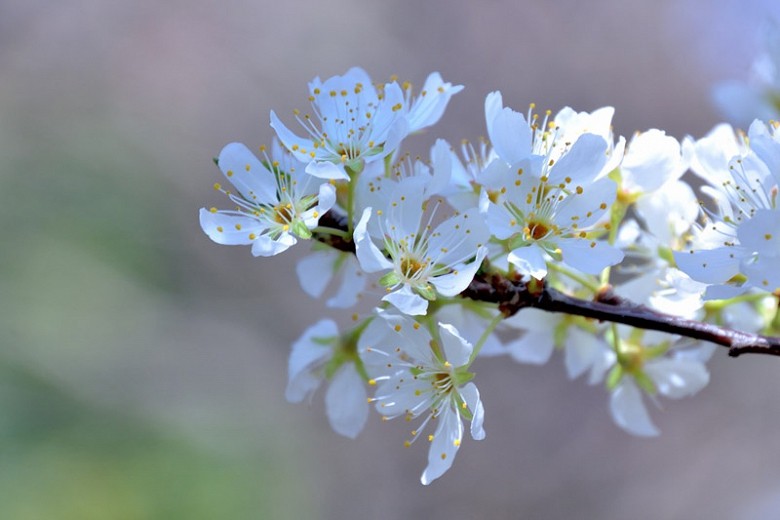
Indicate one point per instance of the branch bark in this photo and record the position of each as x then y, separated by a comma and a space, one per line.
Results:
513, 295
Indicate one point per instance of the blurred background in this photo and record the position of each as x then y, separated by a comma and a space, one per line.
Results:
142, 367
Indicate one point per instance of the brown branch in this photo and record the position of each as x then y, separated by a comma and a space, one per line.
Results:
513, 295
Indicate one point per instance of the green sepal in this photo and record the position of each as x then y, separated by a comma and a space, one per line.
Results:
614, 376
426, 291
644, 382
300, 230
391, 279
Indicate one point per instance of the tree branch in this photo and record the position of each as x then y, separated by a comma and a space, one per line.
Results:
513, 295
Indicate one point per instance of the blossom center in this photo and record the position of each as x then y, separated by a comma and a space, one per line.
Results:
411, 267
283, 213
536, 230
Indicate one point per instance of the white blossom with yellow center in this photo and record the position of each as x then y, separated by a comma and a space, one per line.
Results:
739, 246
544, 197
423, 260
417, 374
276, 201
354, 123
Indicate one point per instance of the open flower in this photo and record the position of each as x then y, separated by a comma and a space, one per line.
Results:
420, 375
423, 260
544, 199
276, 201
648, 366
739, 247
320, 354
354, 123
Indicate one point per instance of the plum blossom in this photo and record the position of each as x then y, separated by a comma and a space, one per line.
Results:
648, 365
320, 354
424, 260
418, 374
276, 201
355, 123
739, 245
545, 199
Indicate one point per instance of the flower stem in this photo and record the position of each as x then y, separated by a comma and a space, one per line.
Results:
485, 335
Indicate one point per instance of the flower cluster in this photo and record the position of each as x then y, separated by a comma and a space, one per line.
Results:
438, 252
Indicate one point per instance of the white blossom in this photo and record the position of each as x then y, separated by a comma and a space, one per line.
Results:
321, 354
424, 260
276, 201
420, 375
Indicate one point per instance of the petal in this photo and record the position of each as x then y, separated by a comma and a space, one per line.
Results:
652, 159
508, 130
457, 350
430, 104
406, 301
587, 207
441, 160
454, 283
529, 261
710, 265
470, 396
353, 283
228, 228
245, 171
327, 170
346, 402
628, 410
307, 354
581, 352
456, 239
264, 245
534, 347
763, 273
370, 257
444, 447
762, 232
316, 270
589, 256
291, 141
677, 378
583, 162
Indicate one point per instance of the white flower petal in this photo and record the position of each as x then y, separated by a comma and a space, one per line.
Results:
327, 170
628, 410
677, 378
429, 107
456, 349
370, 257
454, 283
346, 403
444, 447
470, 395
508, 130
583, 162
711, 265
291, 141
266, 246
581, 352
252, 180
316, 270
230, 229
529, 261
534, 347
589, 256
306, 355
353, 283
406, 301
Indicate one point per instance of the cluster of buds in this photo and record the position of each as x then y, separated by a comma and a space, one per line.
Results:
551, 234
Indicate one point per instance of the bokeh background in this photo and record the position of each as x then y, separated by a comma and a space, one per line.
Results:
142, 367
